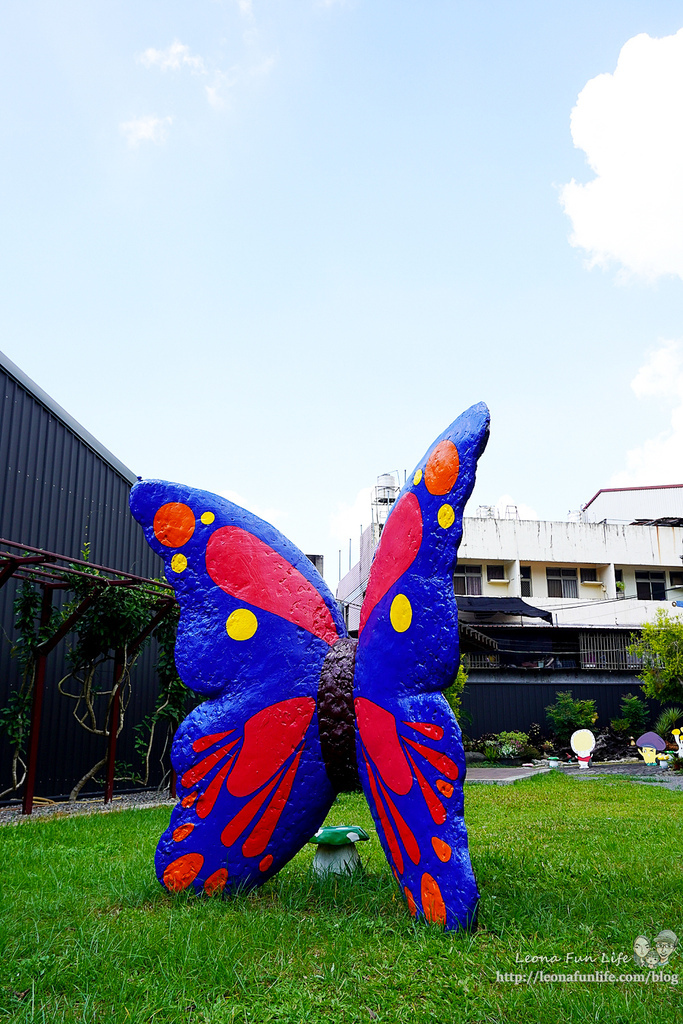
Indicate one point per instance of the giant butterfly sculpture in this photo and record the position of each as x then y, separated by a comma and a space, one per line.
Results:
296, 710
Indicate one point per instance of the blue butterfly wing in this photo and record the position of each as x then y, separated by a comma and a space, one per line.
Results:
256, 624
409, 745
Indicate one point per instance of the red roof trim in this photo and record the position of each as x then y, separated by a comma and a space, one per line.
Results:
646, 487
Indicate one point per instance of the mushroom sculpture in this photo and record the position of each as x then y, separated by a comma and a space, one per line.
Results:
652, 747
337, 853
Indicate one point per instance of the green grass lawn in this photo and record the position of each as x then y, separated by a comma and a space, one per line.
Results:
565, 868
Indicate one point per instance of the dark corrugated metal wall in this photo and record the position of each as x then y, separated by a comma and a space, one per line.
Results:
512, 701
57, 493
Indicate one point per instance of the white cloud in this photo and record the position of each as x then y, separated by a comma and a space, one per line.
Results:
174, 57
346, 521
146, 129
658, 460
630, 125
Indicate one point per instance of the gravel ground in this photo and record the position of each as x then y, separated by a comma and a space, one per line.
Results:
63, 809
636, 772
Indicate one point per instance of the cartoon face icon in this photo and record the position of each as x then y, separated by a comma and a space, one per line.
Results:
641, 948
649, 755
666, 943
652, 959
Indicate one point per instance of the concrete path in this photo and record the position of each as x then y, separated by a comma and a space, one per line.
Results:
502, 776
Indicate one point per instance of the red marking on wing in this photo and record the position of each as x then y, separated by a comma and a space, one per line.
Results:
193, 775
432, 900
270, 737
434, 732
411, 902
206, 802
266, 862
182, 832
442, 763
436, 808
378, 732
444, 787
259, 837
204, 742
188, 800
407, 837
236, 826
386, 824
182, 872
250, 570
400, 543
216, 881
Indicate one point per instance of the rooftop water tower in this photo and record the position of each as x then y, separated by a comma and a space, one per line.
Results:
383, 497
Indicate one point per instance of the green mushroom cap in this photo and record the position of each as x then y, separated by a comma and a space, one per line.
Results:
339, 835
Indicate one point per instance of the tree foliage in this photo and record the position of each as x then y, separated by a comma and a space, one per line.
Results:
567, 715
660, 646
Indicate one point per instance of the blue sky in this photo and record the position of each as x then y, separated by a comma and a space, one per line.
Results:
272, 249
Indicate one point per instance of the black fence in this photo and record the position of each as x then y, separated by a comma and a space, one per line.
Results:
507, 701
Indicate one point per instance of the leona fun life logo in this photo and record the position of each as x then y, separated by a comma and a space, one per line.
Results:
654, 954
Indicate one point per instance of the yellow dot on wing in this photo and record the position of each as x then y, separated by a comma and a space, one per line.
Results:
179, 563
417, 477
207, 518
401, 613
446, 516
241, 624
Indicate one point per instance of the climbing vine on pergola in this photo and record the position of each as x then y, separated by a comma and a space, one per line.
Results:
110, 616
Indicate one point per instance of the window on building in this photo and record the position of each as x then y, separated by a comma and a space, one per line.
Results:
561, 582
525, 579
495, 572
650, 586
619, 580
589, 575
676, 579
467, 580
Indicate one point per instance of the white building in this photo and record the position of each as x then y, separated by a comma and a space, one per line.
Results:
558, 600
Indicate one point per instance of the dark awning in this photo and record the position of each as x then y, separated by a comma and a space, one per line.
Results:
487, 606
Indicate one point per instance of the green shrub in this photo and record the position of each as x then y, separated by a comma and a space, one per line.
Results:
668, 719
567, 715
635, 711
492, 752
620, 724
454, 692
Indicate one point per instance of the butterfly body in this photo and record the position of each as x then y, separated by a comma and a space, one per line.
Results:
297, 710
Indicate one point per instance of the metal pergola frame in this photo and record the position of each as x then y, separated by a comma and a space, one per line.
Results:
52, 571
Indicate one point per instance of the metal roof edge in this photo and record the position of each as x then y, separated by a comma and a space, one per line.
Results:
66, 418
641, 487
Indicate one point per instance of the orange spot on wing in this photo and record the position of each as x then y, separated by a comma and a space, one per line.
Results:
442, 763
378, 732
432, 900
442, 468
188, 800
441, 849
434, 732
174, 524
392, 842
258, 839
208, 741
266, 862
270, 737
206, 802
182, 832
216, 881
236, 826
182, 872
193, 775
444, 787
412, 906
436, 808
